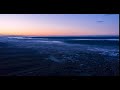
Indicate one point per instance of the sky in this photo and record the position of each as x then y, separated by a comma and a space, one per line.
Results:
59, 24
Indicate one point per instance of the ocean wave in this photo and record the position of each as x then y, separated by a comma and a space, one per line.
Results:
45, 41
30, 38
19, 38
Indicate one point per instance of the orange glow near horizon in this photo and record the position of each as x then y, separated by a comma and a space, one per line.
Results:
50, 25
45, 32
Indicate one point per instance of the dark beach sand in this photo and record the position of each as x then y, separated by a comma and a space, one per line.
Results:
40, 59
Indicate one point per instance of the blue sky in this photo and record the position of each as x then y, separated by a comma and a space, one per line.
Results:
59, 24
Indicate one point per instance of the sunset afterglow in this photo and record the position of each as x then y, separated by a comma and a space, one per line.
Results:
59, 24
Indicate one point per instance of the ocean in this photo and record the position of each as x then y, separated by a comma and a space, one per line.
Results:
59, 56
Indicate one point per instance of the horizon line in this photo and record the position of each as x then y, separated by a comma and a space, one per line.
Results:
56, 35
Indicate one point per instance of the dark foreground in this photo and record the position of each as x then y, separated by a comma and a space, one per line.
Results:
19, 58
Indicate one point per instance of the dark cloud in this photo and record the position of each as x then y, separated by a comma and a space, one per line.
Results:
100, 21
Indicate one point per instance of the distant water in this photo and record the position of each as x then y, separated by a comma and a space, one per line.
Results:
103, 44
81, 56
98, 39
89, 40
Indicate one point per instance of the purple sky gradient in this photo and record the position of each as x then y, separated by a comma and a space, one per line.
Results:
59, 24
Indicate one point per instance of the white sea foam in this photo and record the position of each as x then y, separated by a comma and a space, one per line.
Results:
105, 51
19, 38
45, 41
27, 38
